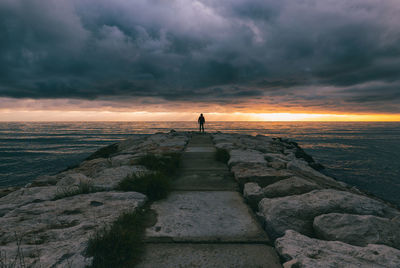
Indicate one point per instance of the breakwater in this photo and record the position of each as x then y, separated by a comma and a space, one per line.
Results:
309, 219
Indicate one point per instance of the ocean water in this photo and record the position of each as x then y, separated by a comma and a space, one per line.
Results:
363, 154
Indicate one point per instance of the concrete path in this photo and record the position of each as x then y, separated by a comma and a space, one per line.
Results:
204, 222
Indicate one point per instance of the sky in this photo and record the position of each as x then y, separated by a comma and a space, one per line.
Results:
173, 59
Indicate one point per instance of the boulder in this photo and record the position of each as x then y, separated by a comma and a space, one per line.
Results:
274, 157
73, 179
131, 144
277, 165
259, 173
302, 167
109, 178
55, 233
25, 196
301, 251
297, 212
5, 191
246, 156
359, 230
225, 145
91, 167
45, 180
291, 186
253, 143
226, 141
253, 193
121, 160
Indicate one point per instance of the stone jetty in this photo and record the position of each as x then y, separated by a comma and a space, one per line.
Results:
267, 206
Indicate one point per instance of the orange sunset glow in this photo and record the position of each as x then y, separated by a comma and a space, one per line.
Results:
7, 116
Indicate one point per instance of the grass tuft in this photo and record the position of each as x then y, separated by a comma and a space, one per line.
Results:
222, 155
154, 185
166, 164
121, 244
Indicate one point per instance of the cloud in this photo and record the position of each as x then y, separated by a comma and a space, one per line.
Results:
302, 54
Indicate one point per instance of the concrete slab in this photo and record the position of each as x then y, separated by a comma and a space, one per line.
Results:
202, 164
209, 255
205, 216
204, 149
205, 180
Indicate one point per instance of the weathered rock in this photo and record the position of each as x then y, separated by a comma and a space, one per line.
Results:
73, 179
5, 191
358, 230
24, 196
297, 212
55, 233
110, 178
274, 157
246, 156
92, 167
301, 167
259, 173
277, 165
253, 143
224, 141
44, 180
121, 160
131, 144
291, 186
301, 251
160, 143
253, 193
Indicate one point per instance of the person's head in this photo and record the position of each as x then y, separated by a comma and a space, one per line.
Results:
201, 114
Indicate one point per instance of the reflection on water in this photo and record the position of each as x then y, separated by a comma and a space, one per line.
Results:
364, 154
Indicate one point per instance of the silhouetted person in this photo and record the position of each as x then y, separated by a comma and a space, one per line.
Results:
201, 121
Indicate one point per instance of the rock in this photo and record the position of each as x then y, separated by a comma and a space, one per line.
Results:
131, 145
358, 230
297, 212
164, 143
250, 142
7, 190
253, 193
91, 167
73, 179
301, 251
109, 178
44, 180
225, 145
274, 157
290, 186
24, 196
246, 156
301, 167
121, 160
277, 165
55, 233
277, 161
259, 173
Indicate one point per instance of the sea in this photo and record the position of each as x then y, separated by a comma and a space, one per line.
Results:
363, 154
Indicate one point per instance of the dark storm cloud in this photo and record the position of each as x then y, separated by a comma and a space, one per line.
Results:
332, 54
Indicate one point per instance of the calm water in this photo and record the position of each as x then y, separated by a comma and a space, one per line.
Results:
362, 154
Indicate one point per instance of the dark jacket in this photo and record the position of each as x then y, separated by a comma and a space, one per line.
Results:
201, 120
